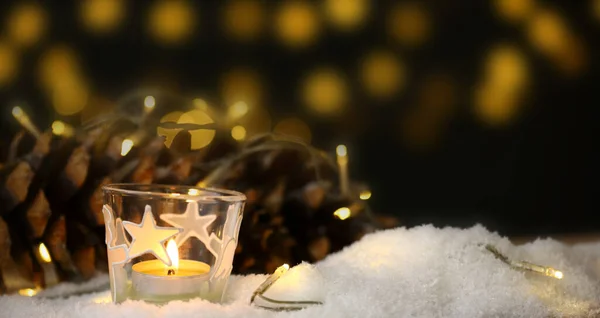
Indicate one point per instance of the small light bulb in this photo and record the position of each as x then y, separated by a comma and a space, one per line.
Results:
44, 254
341, 150
193, 192
365, 195
149, 103
238, 133
29, 292
58, 127
17, 111
126, 147
342, 213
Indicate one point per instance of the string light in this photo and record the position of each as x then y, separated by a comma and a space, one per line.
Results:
149, 103
238, 110
296, 23
279, 305
8, 63
365, 195
342, 213
60, 128
514, 10
102, 16
325, 92
126, 147
24, 120
238, 133
526, 266
294, 127
29, 292
382, 74
346, 15
409, 23
172, 21
44, 254
26, 24
244, 19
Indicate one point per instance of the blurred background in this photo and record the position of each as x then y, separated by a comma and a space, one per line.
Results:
453, 112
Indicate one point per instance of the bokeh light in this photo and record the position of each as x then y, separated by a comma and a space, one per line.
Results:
409, 23
172, 21
297, 23
200, 104
241, 85
238, 133
244, 20
505, 79
102, 16
549, 34
256, 121
179, 122
347, 15
325, 92
9, 61
69, 97
26, 24
382, 74
58, 64
514, 10
294, 127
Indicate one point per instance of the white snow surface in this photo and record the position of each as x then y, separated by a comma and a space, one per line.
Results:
418, 272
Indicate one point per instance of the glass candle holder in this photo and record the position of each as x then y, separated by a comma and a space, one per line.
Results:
170, 242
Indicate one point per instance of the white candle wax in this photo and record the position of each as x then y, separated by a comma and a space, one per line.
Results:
151, 282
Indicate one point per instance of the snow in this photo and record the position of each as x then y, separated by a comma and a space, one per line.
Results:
418, 272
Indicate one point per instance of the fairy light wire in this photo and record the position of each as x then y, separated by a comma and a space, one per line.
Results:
291, 305
523, 265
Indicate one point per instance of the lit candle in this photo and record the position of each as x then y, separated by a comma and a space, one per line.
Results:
342, 160
154, 281
24, 120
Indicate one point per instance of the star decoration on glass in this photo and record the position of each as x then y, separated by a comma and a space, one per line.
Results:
192, 223
149, 238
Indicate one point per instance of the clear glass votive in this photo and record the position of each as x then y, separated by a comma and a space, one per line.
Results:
170, 242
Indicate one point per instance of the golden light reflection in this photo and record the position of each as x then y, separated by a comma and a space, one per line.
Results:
26, 24
365, 195
44, 254
102, 16
294, 127
241, 85
238, 133
514, 10
8, 63
172, 21
297, 23
244, 19
409, 23
347, 15
342, 213
325, 92
193, 192
126, 146
200, 137
382, 74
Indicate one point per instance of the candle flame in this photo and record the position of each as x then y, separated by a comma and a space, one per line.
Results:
342, 213
341, 151
173, 253
126, 147
44, 254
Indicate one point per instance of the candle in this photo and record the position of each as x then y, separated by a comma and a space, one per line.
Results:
154, 281
342, 160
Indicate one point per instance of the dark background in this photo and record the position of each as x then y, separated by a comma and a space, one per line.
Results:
531, 174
